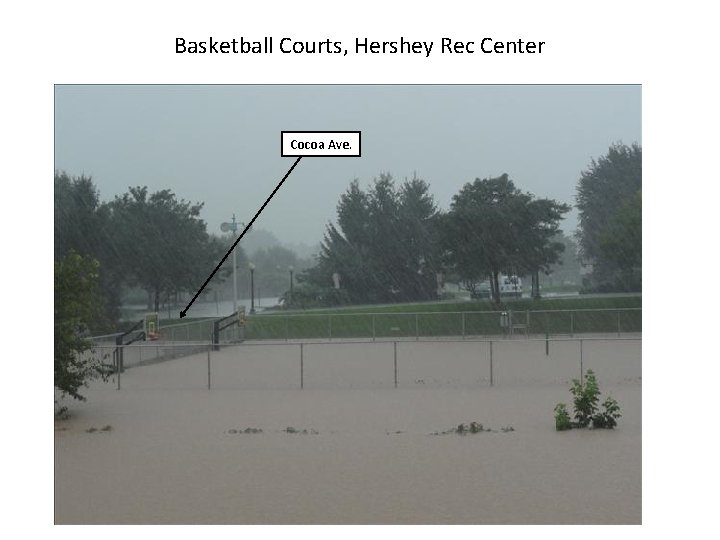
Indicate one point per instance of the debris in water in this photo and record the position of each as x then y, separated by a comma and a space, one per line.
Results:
472, 427
246, 430
291, 429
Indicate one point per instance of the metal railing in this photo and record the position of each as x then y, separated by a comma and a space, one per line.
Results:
173, 341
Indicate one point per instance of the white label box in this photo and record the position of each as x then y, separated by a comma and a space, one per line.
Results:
320, 143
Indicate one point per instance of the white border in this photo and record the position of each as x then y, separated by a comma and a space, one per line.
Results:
666, 47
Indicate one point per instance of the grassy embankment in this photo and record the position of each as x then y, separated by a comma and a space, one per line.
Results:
555, 316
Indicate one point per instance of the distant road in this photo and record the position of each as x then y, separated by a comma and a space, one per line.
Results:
466, 296
593, 295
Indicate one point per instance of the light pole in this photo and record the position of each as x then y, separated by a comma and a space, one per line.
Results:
226, 227
251, 266
292, 269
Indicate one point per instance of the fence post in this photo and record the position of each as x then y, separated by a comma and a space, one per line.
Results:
463, 325
117, 365
417, 328
395, 361
208, 362
618, 321
572, 324
582, 371
547, 344
287, 327
215, 336
329, 327
302, 367
527, 323
491, 363
373, 326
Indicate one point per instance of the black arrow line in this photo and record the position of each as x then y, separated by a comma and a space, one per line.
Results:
184, 312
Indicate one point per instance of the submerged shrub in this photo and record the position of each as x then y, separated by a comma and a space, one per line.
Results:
562, 417
607, 419
586, 395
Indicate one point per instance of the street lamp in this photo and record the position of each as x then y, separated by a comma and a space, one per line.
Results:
226, 227
251, 266
292, 269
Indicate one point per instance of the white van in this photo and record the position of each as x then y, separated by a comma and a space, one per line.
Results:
510, 286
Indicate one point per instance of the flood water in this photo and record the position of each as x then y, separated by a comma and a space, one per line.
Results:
358, 449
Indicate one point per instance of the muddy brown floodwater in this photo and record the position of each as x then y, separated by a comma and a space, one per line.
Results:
176, 452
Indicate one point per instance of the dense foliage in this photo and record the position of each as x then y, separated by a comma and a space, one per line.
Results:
390, 242
383, 248
82, 226
493, 227
162, 244
152, 241
609, 206
621, 243
76, 303
586, 394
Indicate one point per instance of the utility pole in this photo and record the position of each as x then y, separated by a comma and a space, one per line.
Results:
226, 227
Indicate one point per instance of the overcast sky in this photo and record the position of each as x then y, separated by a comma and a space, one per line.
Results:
221, 144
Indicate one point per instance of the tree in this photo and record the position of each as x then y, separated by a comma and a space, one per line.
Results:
76, 305
493, 227
82, 226
603, 189
383, 247
418, 216
621, 242
161, 242
78, 218
539, 247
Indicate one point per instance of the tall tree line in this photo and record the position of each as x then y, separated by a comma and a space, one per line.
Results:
392, 244
154, 241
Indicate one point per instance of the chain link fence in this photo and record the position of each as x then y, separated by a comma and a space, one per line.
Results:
184, 339
466, 324
364, 363
173, 341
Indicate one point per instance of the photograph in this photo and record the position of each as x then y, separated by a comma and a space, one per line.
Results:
348, 304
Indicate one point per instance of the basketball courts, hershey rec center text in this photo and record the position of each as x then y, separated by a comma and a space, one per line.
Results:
286, 45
